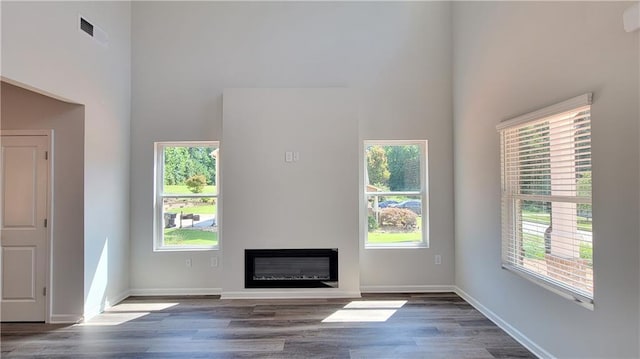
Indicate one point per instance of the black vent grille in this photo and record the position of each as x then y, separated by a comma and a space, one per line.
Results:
86, 26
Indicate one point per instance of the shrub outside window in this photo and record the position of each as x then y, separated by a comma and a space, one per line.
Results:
396, 194
186, 196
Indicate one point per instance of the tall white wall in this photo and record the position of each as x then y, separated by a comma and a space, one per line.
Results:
511, 58
43, 49
396, 56
268, 203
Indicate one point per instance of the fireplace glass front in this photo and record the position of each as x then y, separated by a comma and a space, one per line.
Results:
291, 268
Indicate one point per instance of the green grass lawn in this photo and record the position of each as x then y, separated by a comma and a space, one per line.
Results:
542, 218
584, 224
533, 246
189, 237
380, 237
401, 237
183, 189
586, 251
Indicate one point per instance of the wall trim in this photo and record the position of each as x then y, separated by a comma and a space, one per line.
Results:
38, 90
497, 320
173, 291
66, 319
288, 294
96, 310
407, 288
117, 299
92, 312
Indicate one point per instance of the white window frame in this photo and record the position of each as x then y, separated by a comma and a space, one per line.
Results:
158, 196
423, 193
510, 193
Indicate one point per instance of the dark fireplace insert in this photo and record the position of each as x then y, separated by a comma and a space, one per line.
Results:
290, 268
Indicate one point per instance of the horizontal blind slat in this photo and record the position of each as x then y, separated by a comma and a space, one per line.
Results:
544, 162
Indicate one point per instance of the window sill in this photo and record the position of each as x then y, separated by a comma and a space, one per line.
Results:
563, 292
397, 246
185, 249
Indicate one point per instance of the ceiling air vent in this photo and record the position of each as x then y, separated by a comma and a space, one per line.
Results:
93, 31
86, 26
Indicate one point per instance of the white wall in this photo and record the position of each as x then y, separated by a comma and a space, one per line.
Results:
396, 56
268, 203
511, 58
43, 49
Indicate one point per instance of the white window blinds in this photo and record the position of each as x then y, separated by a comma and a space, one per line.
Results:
547, 231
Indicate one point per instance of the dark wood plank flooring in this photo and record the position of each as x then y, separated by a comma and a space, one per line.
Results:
438, 325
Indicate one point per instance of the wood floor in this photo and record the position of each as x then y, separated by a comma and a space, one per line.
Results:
376, 326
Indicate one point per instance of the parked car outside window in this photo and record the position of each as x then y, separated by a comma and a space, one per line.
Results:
385, 204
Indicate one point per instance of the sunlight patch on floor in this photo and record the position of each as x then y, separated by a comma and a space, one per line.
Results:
366, 311
372, 304
141, 307
111, 319
360, 315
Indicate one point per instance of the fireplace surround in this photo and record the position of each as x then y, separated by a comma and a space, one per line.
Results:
291, 268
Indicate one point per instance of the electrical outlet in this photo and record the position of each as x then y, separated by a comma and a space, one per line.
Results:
188, 263
438, 259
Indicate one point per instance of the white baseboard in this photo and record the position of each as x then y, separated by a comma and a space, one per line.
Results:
108, 303
92, 312
174, 291
407, 288
65, 319
513, 332
289, 294
117, 299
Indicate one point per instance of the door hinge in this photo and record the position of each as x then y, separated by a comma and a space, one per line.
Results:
46, 155
45, 223
44, 291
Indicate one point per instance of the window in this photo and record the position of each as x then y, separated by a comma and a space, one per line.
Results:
395, 193
186, 196
547, 231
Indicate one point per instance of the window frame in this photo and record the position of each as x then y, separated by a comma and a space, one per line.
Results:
159, 196
423, 193
511, 233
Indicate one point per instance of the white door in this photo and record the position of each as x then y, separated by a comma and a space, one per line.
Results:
24, 170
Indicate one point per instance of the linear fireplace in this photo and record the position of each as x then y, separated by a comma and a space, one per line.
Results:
290, 268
